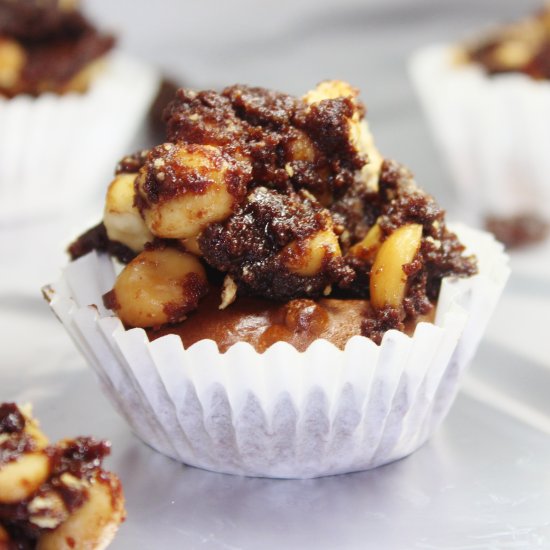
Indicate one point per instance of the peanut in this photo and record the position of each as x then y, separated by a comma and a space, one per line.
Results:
122, 219
20, 478
159, 286
193, 206
94, 524
359, 133
368, 247
12, 61
305, 257
388, 281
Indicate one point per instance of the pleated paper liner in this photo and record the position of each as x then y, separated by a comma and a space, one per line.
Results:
283, 413
492, 130
55, 149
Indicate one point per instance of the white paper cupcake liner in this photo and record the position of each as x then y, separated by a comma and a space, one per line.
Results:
54, 149
283, 413
493, 132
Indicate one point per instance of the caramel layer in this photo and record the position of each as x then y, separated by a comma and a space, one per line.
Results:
261, 322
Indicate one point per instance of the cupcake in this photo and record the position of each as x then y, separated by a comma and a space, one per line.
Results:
58, 76
288, 303
487, 103
54, 497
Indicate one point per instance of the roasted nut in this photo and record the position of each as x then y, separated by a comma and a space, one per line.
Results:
229, 292
513, 54
305, 257
93, 525
330, 89
301, 148
159, 286
185, 187
192, 245
81, 81
20, 478
121, 218
47, 510
388, 281
12, 61
368, 247
68, 5
364, 141
47, 502
32, 428
359, 133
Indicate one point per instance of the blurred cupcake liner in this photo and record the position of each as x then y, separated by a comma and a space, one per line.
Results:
493, 131
54, 149
283, 413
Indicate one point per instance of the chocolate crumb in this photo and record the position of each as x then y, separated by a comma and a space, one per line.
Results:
11, 419
96, 239
518, 231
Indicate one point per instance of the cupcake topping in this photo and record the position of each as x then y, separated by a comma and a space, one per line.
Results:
47, 46
519, 230
519, 47
279, 198
52, 493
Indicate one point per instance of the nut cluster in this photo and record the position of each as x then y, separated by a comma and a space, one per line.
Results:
48, 46
523, 46
282, 198
52, 494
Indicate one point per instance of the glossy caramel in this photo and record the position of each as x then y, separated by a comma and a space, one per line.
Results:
262, 322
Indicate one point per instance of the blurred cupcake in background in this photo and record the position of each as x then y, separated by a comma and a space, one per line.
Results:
488, 103
64, 93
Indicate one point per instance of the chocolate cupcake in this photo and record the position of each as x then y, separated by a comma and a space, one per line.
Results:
487, 103
292, 304
62, 88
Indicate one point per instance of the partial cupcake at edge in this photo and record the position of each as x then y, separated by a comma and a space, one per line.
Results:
266, 218
58, 74
54, 496
487, 100
48, 47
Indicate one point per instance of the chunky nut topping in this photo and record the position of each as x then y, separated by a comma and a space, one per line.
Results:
47, 46
519, 47
53, 494
256, 193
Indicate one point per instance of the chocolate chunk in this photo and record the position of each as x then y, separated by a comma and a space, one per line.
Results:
96, 239
518, 231
249, 243
11, 419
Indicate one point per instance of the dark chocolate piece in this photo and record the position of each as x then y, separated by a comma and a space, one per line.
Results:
248, 245
518, 231
96, 239
291, 145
